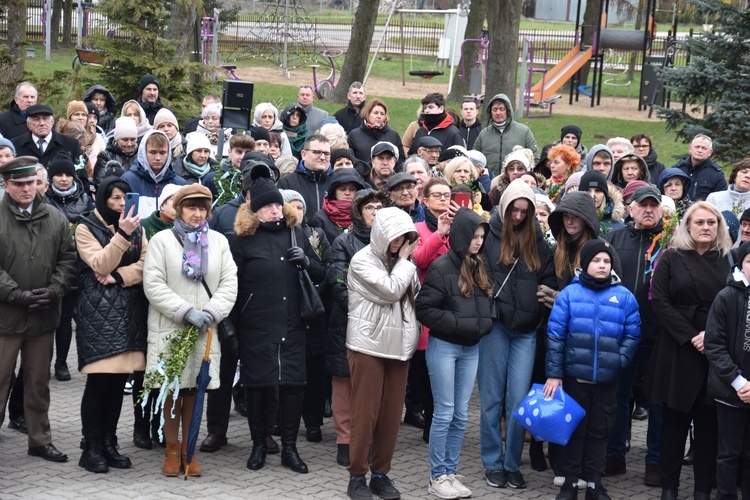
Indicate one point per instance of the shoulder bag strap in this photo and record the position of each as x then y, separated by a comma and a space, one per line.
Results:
506, 279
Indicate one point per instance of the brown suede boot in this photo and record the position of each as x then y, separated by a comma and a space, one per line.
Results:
192, 469
171, 467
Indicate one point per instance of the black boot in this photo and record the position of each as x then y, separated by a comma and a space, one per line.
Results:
141, 438
113, 457
290, 412
92, 458
342, 455
536, 454
256, 419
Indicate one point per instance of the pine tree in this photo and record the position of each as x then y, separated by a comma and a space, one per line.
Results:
717, 76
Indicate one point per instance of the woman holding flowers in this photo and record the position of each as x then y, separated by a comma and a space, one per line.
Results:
182, 265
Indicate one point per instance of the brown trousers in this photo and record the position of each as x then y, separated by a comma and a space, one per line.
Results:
36, 356
378, 390
341, 401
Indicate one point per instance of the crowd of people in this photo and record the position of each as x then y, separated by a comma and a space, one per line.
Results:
352, 271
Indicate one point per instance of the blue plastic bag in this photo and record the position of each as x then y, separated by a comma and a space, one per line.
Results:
553, 419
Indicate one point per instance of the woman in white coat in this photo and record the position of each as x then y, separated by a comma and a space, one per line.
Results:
177, 265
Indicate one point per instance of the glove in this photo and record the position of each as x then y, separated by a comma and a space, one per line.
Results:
230, 344
24, 299
201, 319
297, 257
44, 298
546, 295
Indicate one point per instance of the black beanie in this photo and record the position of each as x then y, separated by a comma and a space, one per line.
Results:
92, 109
337, 154
745, 215
594, 179
262, 190
742, 253
571, 129
593, 247
259, 134
61, 164
247, 168
147, 80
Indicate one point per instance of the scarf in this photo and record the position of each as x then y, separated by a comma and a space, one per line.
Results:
64, 194
372, 126
195, 248
340, 213
197, 170
175, 144
500, 126
594, 283
431, 220
432, 121
297, 137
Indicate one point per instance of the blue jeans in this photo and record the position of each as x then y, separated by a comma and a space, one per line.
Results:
452, 369
506, 359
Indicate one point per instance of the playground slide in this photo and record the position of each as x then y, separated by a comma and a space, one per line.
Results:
561, 73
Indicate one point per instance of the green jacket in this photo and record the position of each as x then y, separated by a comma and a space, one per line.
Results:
35, 252
153, 224
496, 145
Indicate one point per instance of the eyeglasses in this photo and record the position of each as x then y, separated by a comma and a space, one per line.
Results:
317, 152
371, 209
440, 196
403, 187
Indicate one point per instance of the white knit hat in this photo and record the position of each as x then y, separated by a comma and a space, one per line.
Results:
517, 155
167, 192
125, 128
197, 140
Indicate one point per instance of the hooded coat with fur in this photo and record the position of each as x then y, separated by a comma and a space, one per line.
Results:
617, 178
382, 321
267, 312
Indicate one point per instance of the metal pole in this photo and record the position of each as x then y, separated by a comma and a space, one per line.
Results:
215, 44
48, 27
284, 70
79, 30
377, 49
522, 91
403, 67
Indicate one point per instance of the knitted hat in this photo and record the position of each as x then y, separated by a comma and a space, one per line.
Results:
742, 252
668, 203
147, 80
247, 167
191, 191
574, 181
477, 158
631, 187
166, 193
125, 128
592, 248
61, 164
594, 179
75, 106
290, 195
259, 134
92, 109
196, 140
5, 143
571, 129
517, 155
262, 190
165, 116
337, 154
744, 217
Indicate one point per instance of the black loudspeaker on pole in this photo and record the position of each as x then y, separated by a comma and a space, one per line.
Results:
236, 101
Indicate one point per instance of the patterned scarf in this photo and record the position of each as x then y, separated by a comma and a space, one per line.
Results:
195, 248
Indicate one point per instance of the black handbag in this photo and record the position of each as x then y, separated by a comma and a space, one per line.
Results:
310, 305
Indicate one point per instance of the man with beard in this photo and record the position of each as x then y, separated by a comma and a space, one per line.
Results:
149, 98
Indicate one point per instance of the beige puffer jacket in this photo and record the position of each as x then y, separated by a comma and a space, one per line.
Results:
380, 323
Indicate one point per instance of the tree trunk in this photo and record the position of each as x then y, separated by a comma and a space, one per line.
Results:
182, 27
358, 51
474, 26
67, 40
16, 12
55, 23
504, 19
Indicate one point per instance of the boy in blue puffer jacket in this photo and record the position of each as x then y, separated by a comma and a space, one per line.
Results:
593, 333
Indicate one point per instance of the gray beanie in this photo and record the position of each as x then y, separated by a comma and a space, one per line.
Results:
290, 195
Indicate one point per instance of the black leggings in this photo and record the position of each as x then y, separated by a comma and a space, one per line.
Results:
101, 404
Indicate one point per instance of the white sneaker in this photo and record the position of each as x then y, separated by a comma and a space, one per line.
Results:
442, 487
462, 490
128, 387
560, 480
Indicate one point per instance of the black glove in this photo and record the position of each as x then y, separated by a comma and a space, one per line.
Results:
297, 257
230, 344
24, 299
44, 298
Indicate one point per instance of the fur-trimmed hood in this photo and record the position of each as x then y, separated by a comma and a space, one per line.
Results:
247, 223
618, 207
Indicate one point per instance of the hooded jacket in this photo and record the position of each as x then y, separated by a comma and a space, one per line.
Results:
725, 340
312, 185
613, 215
496, 144
143, 127
592, 335
143, 181
343, 249
683, 203
588, 162
108, 115
112, 152
13, 122
320, 218
706, 178
617, 179
441, 307
267, 312
517, 304
382, 322
73, 205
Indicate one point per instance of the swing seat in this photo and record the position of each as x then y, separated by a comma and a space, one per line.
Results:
426, 74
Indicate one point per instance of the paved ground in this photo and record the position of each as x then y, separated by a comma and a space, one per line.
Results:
225, 475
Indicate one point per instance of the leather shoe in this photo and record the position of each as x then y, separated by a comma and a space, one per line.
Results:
61, 372
213, 442
18, 424
314, 434
652, 477
640, 413
415, 418
614, 467
48, 452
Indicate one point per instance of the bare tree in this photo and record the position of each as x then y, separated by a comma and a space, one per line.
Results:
181, 27
57, 6
16, 12
474, 26
358, 50
503, 20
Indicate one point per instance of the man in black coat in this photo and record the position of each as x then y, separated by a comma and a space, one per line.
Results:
148, 96
313, 173
632, 243
41, 140
13, 121
435, 122
349, 117
705, 175
469, 126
